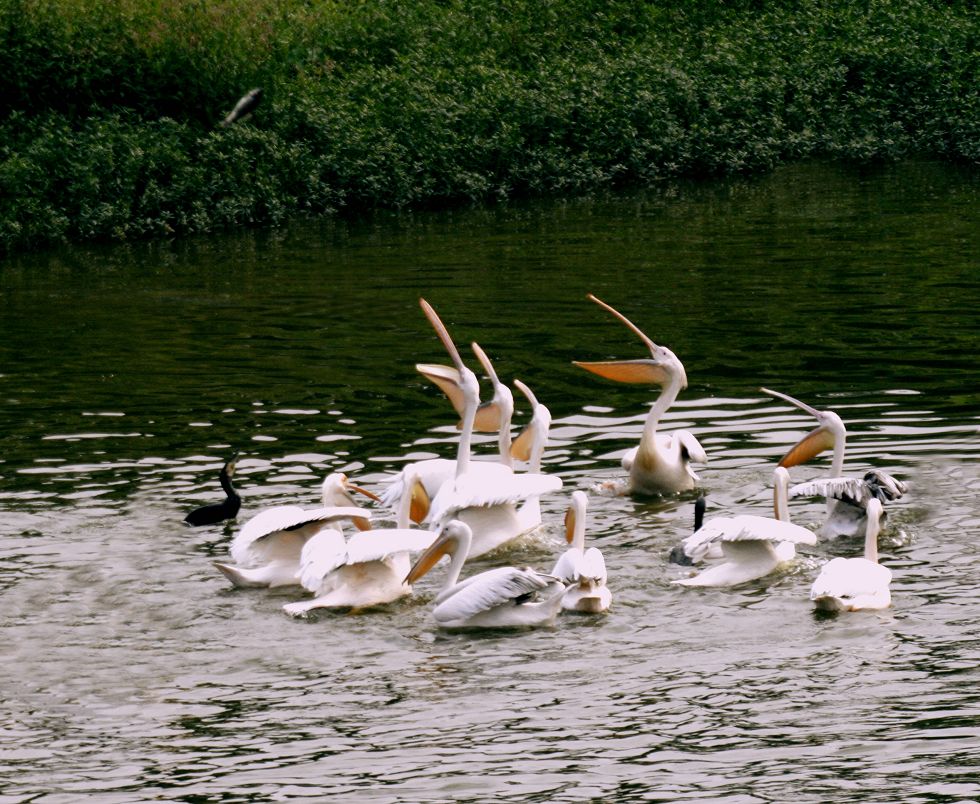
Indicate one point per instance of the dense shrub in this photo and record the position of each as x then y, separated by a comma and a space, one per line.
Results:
108, 120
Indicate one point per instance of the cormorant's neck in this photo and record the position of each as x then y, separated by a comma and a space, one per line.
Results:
227, 486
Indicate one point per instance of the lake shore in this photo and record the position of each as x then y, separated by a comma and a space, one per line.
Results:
112, 127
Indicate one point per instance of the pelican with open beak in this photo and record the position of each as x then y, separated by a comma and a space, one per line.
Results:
506, 597
847, 498
529, 448
483, 494
660, 464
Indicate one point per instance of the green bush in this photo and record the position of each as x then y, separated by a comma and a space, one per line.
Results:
108, 129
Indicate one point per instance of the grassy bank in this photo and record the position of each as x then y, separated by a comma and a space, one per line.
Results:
108, 126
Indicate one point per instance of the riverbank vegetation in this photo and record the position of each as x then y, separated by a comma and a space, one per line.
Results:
109, 126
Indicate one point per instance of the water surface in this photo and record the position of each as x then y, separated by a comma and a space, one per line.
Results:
128, 374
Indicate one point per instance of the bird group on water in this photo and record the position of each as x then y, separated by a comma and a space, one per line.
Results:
466, 507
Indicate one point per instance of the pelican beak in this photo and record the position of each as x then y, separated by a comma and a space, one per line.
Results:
448, 380
793, 401
521, 448
643, 337
808, 447
645, 371
570, 525
487, 418
419, 507
361, 523
365, 492
428, 560
442, 332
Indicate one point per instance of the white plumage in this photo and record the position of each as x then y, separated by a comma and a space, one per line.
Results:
366, 570
529, 446
582, 570
851, 584
846, 500
506, 597
483, 494
267, 549
660, 464
751, 546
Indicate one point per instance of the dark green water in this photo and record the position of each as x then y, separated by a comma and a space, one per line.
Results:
126, 375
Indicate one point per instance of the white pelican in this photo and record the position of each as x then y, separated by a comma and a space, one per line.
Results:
268, 548
850, 584
529, 447
752, 546
366, 570
583, 570
483, 494
227, 508
659, 464
492, 416
506, 597
846, 510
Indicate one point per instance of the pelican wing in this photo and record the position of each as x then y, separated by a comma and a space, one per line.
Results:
567, 566
593, 566
377, 545
747, 551
488, 484
884, 486
690, 447
489, 590
746, 527
252, 544
432, 473
321, 555
846, 578
851, 490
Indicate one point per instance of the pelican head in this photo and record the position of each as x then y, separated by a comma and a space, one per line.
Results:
454, 539
662, 368
337, 490
464, 379
830, 433
534, 435
496, 413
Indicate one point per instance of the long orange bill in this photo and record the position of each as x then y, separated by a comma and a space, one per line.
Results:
808, 447
644, 370
528, 393
795, 402
365, 492
650, 344
427, 561
442, 332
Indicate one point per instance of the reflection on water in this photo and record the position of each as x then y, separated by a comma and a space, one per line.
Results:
127, 376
